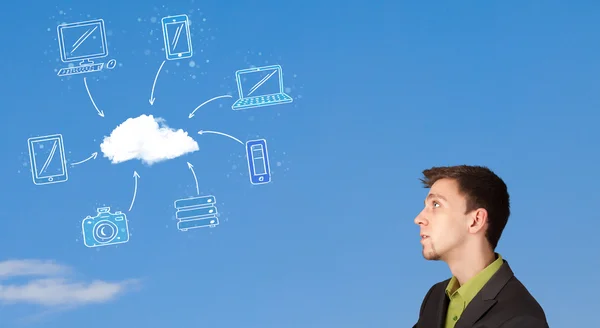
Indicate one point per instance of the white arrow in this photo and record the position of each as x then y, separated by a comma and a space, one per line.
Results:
206, 102
135, 176
154, 84
195, 178
101, 113
94, 154
220, 133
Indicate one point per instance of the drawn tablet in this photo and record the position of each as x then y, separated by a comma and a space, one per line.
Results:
176, 34
47, 157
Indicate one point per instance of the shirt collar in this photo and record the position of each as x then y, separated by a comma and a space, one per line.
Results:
468, 291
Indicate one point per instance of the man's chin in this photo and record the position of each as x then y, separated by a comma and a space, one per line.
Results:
431, 256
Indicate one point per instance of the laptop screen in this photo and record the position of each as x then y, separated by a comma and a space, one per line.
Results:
260, 83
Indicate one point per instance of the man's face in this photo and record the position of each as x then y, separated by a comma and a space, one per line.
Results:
443, 222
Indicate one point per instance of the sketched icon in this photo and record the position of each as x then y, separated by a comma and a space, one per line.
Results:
83, 42
260, 86
105, 228
177, 37
47, 158
196, 212
258, 161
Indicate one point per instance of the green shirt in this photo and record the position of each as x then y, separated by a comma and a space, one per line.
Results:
460, 296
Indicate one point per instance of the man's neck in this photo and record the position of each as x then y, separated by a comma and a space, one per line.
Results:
468, 264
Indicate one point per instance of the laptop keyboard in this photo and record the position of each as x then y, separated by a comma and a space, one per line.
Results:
263, 99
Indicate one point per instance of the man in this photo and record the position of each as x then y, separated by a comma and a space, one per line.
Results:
465, 212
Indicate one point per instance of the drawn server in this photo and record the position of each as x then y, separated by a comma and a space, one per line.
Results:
196, 212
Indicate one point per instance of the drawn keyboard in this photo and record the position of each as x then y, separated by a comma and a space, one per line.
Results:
263, 100
80, 69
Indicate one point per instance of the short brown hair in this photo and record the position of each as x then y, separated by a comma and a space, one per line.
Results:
482, 188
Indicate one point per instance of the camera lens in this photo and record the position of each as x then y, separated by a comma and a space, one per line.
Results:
105, 231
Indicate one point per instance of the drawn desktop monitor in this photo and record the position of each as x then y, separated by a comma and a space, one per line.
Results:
177, 37
260, 86
82, 41
47, 156
258, 161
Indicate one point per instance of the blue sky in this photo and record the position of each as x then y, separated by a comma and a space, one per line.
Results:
381, 92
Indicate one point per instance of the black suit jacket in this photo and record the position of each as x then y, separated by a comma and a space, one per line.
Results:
502, 303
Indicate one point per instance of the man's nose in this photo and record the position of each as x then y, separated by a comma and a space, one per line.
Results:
420, 219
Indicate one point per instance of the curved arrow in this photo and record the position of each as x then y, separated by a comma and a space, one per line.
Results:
101, 113
154, 84
195, 178
220, 133
94, 154
206, 102
135, 176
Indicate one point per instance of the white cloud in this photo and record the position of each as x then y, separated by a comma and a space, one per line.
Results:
50, 286
148, 139
13, 268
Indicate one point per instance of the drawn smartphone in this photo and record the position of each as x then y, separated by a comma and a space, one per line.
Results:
258, 161
176, 33
47, 158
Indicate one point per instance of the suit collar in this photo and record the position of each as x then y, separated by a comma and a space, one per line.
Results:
485, 299
437, 306
442, 306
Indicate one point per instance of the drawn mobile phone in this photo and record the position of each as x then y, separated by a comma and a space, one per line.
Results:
47, 158
176, 33
258, 161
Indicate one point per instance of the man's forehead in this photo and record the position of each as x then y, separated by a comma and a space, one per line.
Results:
444, 188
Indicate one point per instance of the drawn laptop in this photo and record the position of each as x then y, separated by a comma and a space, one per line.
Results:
260, 86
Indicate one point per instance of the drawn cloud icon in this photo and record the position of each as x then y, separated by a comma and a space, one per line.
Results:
148, 139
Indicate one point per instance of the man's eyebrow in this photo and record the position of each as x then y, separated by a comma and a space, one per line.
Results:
436, 196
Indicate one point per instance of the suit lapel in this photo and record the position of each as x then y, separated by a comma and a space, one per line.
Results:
477, 308
434, 315
486, 298
442, 304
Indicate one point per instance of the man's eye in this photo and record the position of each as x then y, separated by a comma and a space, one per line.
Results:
436, 204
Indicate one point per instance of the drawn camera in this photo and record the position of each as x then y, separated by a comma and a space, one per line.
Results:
105, 228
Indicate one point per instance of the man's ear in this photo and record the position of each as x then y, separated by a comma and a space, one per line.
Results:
478, 220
